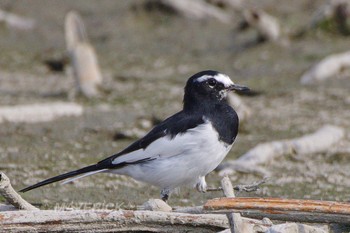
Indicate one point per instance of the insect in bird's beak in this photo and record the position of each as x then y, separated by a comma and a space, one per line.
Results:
236, 87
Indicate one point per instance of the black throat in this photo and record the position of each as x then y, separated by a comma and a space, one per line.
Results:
221, 115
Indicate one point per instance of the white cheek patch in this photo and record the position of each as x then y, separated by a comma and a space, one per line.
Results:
221, 78
222, 94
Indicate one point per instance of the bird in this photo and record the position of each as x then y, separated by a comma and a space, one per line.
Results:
181, 150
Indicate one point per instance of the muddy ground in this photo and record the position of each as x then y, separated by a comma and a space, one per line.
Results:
146, 58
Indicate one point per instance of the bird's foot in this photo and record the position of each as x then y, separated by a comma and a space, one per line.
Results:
202, 186
165, 194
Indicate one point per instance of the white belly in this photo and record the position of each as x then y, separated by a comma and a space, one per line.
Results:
197, 152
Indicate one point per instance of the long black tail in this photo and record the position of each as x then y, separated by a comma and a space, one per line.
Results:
64, 176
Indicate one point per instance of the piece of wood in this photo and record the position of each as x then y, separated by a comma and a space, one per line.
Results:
194, 9
86, 70
283, 209
234, 219
40, 112
267, 25
14, 21
75, 31
328, 67
108, 221
12, 196
320, 141
235, 5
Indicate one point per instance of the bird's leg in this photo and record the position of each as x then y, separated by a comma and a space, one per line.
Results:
201, 185
164, 194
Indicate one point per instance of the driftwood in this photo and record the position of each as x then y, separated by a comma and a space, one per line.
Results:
108, 220
83, 57
194, 9
15, 21
208, 218
75, 31
327, 68
12, 196
234, 219
283, 209
320, 141
236, 5
33, 113
267, 25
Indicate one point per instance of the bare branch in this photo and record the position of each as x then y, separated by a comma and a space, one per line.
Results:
12, 196
250, 187
283, 209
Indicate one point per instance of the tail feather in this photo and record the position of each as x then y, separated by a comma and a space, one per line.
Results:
89, 170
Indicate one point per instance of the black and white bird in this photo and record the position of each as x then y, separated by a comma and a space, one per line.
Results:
182, 149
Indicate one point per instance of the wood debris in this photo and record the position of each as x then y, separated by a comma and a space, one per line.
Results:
40, 112
83, 57
283, 209
193, 9
207, 218
331, 66
267, 25
320, 141
14, 21
12, 196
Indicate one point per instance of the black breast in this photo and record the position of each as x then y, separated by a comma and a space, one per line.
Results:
225, 122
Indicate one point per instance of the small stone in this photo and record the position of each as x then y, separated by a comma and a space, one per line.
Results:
156, 205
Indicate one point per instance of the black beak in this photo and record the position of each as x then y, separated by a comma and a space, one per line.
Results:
236, 87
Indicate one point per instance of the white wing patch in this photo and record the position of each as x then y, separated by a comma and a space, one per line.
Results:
221, 78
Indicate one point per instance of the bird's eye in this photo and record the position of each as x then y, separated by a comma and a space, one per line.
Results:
212, 82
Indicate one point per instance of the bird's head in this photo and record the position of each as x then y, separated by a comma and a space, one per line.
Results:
209, 86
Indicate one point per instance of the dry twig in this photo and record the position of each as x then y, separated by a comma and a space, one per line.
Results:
12, 196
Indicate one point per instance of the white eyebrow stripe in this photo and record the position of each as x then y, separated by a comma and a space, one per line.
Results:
221, 78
